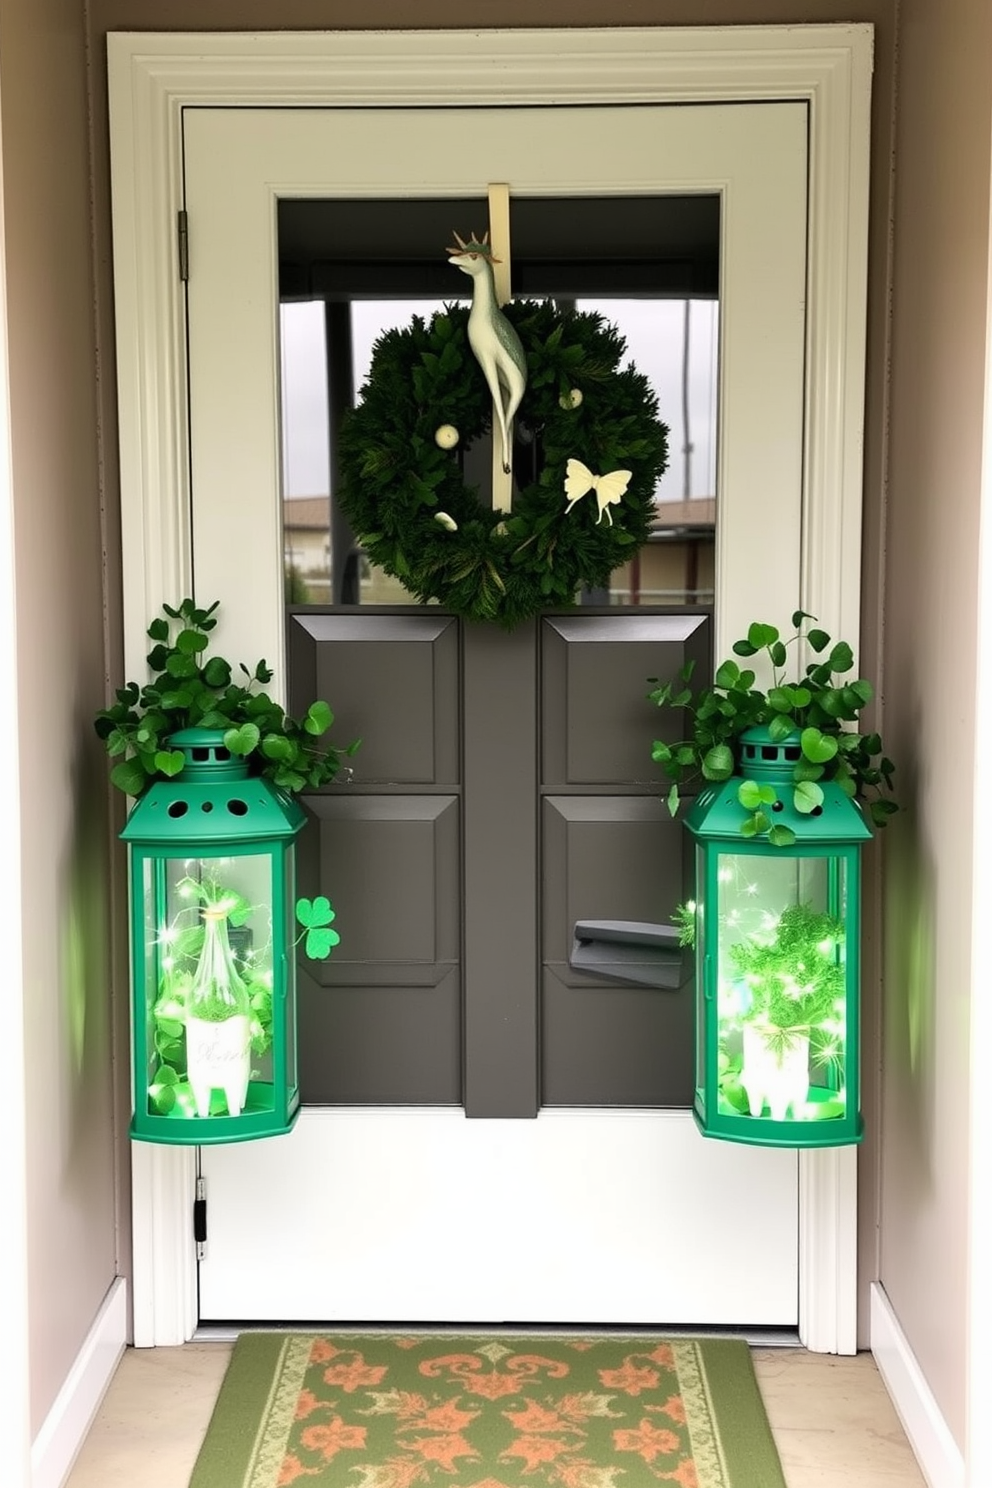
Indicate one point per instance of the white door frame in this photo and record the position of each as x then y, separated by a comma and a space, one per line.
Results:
154, 76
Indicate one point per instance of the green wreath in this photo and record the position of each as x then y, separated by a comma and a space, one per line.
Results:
407, 501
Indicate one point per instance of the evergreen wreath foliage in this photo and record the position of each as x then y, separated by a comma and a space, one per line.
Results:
580, 403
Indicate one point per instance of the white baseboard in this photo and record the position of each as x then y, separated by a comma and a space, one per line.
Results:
938, 1454
55, 1447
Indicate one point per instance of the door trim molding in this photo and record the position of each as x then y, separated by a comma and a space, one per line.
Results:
154, 76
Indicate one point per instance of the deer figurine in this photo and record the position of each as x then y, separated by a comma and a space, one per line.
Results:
494, 341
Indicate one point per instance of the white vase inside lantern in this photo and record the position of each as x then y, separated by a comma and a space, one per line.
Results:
775, 1070
218, 1021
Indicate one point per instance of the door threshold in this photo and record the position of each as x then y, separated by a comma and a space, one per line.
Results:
757, 1337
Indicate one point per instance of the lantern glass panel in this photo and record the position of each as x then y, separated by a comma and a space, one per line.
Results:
161, 1037
781, 985
700, 910
290, 1042
209, 984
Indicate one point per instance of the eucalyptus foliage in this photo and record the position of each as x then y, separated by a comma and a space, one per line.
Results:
821, 706
407, 498
190, 689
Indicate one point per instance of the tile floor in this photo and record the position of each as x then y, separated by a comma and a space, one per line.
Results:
833, 1421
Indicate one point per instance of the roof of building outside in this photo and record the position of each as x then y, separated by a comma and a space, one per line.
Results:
700, 511
307, 513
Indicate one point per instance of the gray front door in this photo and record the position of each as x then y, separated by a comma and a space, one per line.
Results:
504, 792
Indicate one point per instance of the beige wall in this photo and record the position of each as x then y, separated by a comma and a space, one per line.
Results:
913, 1181
941, 248
59, 601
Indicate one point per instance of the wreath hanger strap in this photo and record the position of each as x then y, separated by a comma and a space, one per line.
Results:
499, 236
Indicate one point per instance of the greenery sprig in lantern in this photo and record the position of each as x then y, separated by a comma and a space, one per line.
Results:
214, 913
778, 827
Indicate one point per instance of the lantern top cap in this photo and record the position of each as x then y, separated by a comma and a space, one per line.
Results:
718, 815
213, 800
207, 756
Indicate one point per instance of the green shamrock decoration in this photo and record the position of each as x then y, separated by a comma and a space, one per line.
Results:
316, 917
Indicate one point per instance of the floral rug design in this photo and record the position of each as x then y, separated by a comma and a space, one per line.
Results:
487, 1411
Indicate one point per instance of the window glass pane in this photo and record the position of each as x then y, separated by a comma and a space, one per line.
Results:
674, 344
351, 270
369, 319
305, 454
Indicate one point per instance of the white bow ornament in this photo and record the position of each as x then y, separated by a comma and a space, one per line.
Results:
579, 481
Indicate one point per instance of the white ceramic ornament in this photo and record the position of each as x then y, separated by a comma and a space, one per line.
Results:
494, 340
571, 399
447, 436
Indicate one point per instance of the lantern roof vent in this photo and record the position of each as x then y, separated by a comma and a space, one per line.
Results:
207, 755
214, 801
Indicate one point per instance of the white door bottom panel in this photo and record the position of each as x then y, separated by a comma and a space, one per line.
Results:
422, 1216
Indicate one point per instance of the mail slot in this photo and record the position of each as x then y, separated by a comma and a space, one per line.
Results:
632, 951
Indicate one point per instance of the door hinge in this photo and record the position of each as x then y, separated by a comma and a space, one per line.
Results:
183, 231
200, 1219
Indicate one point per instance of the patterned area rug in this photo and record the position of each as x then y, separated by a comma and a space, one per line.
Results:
487, 1411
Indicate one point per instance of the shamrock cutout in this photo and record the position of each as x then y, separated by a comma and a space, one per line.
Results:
316, 917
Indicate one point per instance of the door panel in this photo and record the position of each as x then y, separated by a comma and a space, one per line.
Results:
604, 1043
381, 1019
595, 680
380, 1023
393, 680
610, 856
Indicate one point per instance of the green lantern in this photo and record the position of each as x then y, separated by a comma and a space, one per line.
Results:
212, 870
776, 931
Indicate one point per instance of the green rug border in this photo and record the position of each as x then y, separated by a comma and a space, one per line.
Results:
244, 1392
748, 1445
749, 1449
